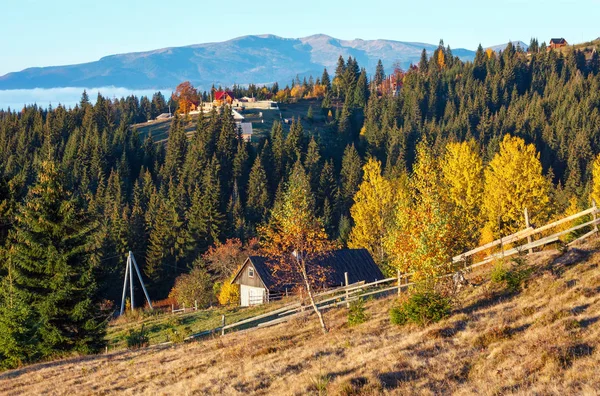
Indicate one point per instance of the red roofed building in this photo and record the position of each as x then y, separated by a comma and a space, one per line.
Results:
224, 97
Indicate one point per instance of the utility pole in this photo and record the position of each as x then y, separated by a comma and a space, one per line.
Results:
130, 264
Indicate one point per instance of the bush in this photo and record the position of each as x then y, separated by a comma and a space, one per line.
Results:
137, 339
421, 308
514, 277
192, 287
229, 294
357, 313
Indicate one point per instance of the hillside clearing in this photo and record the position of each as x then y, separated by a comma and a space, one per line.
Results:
544, 339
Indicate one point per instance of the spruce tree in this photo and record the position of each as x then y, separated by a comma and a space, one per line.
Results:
278, 147
326, 81
350, 176
379, 73
361, 92
257, 204
55, 270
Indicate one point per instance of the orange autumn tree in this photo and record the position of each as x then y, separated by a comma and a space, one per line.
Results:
294, 239
186, 96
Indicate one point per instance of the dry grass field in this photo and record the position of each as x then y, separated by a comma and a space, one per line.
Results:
544, 339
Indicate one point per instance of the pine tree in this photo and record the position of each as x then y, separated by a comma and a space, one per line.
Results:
338, 80
176, 150
350, 176
312, 163
235, 215
325, 80
54, 272
379, 73
204, 217
278, 146
345, 124
309, 114
258, 196
423, 62
294, 142
361, 92
18, 335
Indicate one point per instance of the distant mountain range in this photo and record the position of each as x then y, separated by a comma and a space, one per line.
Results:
249, 59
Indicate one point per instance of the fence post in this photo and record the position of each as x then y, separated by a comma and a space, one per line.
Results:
222, 324
195, 305
529, 238
173, 309
594, 215
399, 283
347, 293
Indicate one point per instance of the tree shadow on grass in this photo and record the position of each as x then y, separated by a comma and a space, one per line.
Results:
494, 299
393, 379
564, 261
585, 323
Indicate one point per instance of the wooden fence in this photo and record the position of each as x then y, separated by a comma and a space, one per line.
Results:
348, 293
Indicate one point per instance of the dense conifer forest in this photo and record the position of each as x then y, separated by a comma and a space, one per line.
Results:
80, 187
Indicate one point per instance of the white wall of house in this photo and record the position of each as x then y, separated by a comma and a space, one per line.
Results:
250, 295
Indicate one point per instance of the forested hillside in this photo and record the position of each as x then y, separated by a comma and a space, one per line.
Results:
392, 173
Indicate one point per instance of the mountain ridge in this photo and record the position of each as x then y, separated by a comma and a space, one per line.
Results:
260, 59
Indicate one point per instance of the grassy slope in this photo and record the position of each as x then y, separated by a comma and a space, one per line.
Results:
544, 340
159, 328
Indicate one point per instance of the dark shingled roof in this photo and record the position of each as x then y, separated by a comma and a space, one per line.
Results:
557, 40
358, 263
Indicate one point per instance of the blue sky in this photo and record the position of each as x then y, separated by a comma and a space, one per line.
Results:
44, 33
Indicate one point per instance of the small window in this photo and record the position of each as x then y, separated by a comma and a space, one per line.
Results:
250, 272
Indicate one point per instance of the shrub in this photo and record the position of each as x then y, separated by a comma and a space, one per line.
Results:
514, 277
229, 294
421, 308
357, 313
195, 286
176, 336
137, 339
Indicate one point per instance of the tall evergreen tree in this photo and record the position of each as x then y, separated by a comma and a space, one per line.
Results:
379, 73
258, 194
54, 270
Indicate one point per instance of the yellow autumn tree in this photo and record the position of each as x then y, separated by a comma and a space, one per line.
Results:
421, 238
595, 195
462, 171
297, 92
372, 211
441, 59
513, 182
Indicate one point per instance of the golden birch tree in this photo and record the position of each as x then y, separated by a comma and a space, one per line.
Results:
513, 182
372, 211
462, 171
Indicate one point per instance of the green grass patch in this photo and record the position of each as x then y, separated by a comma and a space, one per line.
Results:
167, 327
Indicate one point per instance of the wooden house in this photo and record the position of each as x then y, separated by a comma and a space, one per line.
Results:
257, 281
222, 97
557, 43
